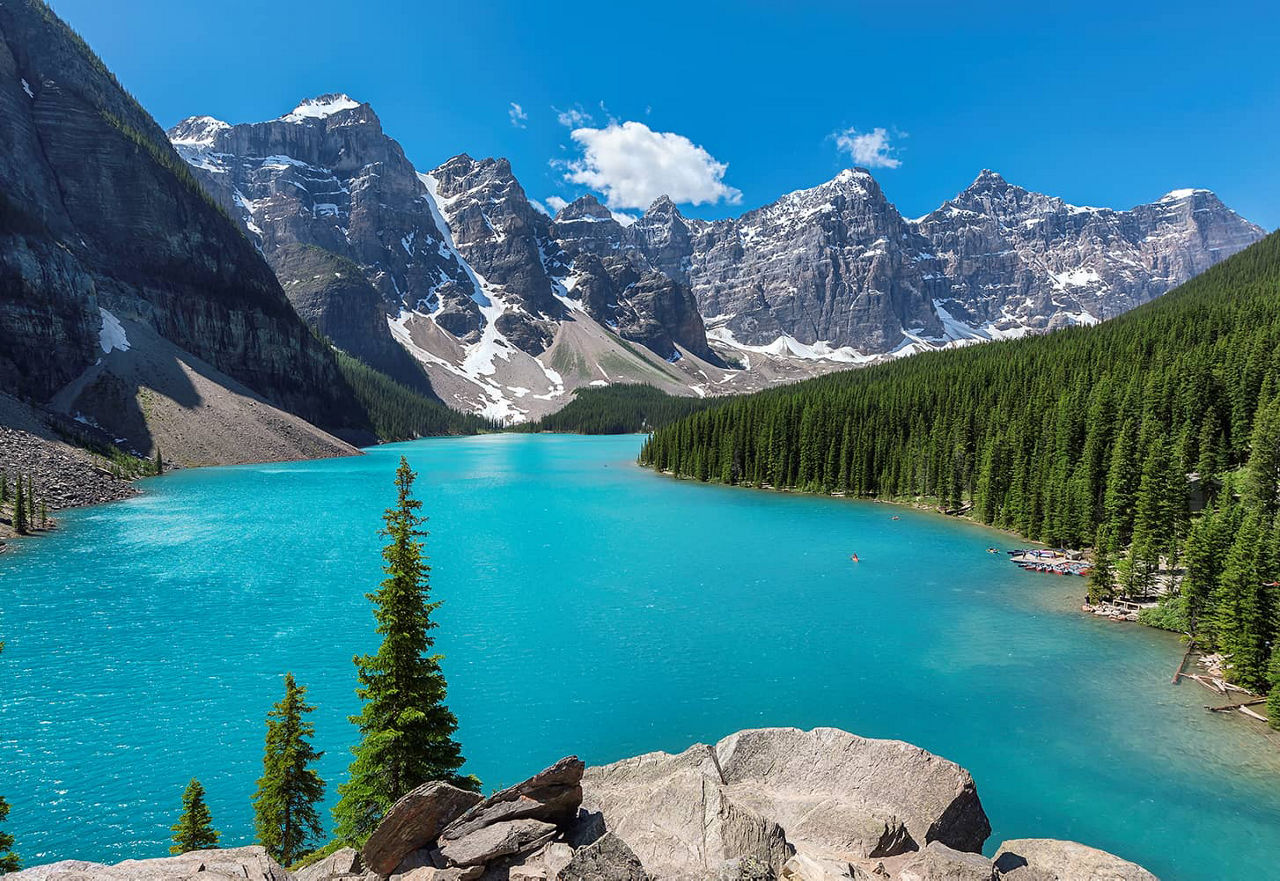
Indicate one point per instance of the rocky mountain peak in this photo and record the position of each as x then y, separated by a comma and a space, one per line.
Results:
322, 107
586, 207
197, 131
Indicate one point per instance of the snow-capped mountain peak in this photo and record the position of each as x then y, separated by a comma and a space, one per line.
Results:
197, 131
321, 107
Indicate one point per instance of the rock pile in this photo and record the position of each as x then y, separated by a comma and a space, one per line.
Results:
773, 804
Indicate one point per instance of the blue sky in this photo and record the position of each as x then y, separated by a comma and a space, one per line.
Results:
733, 104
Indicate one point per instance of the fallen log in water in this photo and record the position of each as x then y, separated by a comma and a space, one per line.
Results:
1225, 707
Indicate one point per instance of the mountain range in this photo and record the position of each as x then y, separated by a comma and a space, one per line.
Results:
196, 290
508, 309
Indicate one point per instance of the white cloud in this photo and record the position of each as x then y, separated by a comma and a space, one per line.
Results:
632, 165
574, 117
623, 218
555, 203
517, 115
870, 149
539, 207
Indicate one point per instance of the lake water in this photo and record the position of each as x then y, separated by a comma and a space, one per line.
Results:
591, 607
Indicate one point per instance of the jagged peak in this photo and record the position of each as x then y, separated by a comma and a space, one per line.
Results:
321, 107
196, 131
586, 207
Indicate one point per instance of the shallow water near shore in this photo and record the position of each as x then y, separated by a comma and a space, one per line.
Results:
591, 607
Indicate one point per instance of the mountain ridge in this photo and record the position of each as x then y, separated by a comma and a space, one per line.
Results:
496, 300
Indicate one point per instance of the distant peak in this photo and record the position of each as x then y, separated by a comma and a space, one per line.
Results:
196, 131
321, 106
850, 175
586, 207
988, 180
662, 205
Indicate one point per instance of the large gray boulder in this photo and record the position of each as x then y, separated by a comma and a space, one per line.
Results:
414, 821
836, 792
606, 857
937, 862
758, 796
239, 863
1046, 859
342, 863
551, 795
674, 813
501, 839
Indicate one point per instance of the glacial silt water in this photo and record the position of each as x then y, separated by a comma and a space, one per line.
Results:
591, 607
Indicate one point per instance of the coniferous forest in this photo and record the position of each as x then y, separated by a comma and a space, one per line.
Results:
1153, 437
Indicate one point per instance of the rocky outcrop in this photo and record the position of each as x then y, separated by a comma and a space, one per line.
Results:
1044, 859
239, 863
772, 803
759, 796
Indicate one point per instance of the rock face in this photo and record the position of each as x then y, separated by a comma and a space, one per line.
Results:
837, 266
97, 212
1015, 260
1044, 859
772, 803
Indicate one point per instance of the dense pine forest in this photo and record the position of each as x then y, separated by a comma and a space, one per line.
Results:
624, 408
1154, 438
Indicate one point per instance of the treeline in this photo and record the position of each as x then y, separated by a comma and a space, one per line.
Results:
397, 412
625, 408
1108, 437
25, 510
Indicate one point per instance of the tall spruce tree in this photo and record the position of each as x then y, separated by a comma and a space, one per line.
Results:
194, 829
19, 518
406, 731
284, 806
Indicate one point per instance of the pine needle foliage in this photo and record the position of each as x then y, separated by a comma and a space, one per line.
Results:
284, 805
406, 730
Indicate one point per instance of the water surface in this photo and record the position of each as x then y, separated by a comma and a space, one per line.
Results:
591, 607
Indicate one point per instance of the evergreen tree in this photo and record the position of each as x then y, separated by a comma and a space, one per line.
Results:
4, 486
194, 829
1273, 696
406, 731
284, 806
19, 518
158, 463
1102, 574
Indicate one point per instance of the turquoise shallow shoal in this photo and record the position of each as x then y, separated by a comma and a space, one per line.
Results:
591, 607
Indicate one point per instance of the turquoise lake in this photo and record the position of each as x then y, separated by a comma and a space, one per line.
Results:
591, 607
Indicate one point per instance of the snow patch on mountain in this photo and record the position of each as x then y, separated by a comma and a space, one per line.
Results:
320, 108
112, 335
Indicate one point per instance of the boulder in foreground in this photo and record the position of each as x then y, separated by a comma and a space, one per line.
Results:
1046, 859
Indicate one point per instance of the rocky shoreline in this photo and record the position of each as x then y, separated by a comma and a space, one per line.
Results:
771, 804
64, 476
